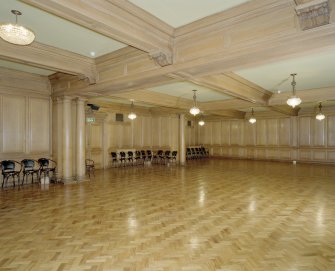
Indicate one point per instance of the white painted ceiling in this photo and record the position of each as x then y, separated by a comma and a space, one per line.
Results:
180, 12
57, 32
184, 90
313, 71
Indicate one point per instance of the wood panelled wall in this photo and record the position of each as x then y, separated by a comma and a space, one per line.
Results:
301, 138
25, 115
146, 132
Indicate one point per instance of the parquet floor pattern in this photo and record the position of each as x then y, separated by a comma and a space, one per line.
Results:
210, 215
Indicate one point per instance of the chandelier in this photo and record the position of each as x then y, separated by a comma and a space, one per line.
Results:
294, 100
252, 119
132, 115
194, 110
320, 116
15, 33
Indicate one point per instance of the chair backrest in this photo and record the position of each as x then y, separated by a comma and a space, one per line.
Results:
114, 155
122, 154
44, 162
174, 154
143, 153
130, 153
89, 163
28, 163
7, 165
138, 153
167, 153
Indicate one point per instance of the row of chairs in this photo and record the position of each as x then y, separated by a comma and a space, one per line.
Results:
196, 153
28, 167
139, 157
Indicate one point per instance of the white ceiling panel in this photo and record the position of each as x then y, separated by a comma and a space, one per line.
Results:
313, 71
180, 12
57, 32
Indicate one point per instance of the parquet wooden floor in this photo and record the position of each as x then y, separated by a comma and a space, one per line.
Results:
210, 215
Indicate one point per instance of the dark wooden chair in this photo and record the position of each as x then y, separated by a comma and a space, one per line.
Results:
46, 166
10, 168
30, 167
115, 161
90, 168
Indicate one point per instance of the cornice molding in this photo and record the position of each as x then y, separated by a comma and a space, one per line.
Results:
51, 58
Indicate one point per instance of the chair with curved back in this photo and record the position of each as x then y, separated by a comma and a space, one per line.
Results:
149, 155
138, 158
174, 156
30, 167
114, 159
46, 166
123, 158
10, 168
167, 157
90, 168
131, 158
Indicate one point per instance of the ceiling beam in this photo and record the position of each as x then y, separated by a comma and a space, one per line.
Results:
154, 98
51, 58
233, 85
285, 109
234, 114
117, 19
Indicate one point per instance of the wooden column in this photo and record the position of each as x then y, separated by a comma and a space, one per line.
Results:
80, 139
67, 144
182, 150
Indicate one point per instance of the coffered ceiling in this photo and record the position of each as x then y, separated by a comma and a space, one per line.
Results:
238, 54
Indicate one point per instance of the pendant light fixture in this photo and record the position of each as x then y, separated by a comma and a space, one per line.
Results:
132, 115
15, 33
252, 119
194, 110
320, 116
201, 121
294, 100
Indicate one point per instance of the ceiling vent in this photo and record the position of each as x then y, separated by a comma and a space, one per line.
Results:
119, 117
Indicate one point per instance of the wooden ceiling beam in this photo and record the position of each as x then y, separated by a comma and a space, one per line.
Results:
234, 114
51, 58
117, 19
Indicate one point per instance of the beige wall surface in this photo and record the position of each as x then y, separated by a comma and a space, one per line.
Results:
146, 132
25, 116
301, 138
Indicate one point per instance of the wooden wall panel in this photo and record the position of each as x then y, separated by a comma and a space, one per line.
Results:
138, 131
319, 133
216, 133
331, 130
14, 114
165, 131
225, 132
156, 129
299, 138
249, 134
272, 132
235, 132
39, 124
284, 131
96, 135
305, 131
261, 131
147, 131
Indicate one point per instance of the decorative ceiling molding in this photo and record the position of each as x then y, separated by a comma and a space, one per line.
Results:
285, 109
51, 58
119, 20
161, 58
235, 114
312, 13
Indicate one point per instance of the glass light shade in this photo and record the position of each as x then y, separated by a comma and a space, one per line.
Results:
194, 110
293, 101
201, 123
252, 120
132, 116
16, 34
320, 116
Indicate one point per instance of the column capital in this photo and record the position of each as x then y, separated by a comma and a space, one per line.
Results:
81, 99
